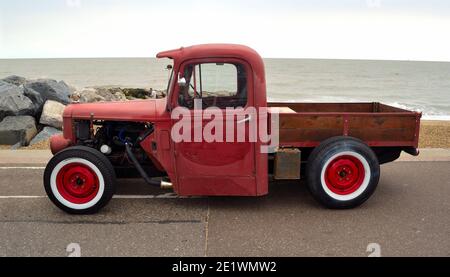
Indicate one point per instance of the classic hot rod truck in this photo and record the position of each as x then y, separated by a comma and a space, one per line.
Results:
337, 147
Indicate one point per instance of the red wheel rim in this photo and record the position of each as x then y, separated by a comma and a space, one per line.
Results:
77, 183
344, 175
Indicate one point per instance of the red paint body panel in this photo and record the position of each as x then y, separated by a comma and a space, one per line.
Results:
136, 110
239, 168
221, 168
58, 143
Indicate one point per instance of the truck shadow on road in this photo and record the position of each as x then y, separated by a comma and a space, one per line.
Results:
281, 193
287, 199
289, 195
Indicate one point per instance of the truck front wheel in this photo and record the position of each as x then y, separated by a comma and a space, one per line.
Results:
79, 180
342, 172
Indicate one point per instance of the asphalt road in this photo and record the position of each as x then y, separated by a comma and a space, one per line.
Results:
409, 215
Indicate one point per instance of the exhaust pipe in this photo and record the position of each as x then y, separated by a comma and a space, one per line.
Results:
163, 184
166, 185
138, 166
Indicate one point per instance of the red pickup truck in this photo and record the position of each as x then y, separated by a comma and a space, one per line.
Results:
337, 147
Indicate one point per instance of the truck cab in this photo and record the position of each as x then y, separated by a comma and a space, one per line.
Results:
221, 76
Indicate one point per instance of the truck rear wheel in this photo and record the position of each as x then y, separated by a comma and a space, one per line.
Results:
342, 172
79, 180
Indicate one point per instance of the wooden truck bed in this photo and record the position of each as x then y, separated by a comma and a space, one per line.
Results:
379, 125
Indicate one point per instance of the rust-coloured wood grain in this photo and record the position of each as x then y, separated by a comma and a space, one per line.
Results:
375, 123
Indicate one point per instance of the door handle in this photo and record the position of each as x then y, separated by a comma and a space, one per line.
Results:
246, 119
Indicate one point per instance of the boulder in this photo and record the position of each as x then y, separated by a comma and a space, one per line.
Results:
157, 93
16, 146
15, 80
39, 91
13, 101
137, 93
52, 114
98, 94
89, 95
45, 134
17, 129
36, 99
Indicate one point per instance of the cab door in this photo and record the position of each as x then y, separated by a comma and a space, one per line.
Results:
225, 163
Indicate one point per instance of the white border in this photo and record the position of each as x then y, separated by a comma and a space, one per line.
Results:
354, 194
69, 204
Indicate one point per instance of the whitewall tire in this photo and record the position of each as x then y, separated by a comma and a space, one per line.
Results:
79, 180
342, 172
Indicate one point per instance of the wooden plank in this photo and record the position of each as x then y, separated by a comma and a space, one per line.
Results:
369, 134
326, 107
383, 122
308, 134
294, 121
382, 128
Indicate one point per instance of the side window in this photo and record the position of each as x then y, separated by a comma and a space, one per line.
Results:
219, 85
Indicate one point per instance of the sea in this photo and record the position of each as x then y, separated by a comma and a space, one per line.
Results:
419, 86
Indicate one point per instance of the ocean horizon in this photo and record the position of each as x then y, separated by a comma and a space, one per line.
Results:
414, 85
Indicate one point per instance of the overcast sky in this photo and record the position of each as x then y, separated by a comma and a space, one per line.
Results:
345, 29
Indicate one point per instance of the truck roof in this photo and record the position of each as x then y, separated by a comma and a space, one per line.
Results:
210, 50
221, 50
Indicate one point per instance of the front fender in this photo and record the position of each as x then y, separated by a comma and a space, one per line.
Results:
58, 143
